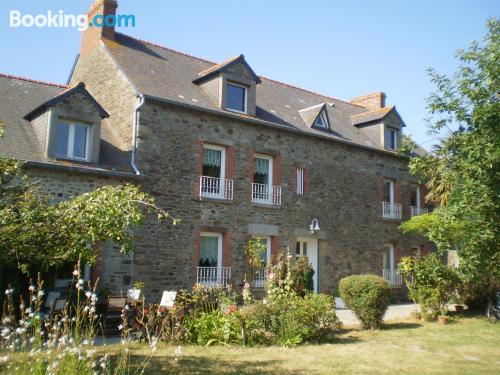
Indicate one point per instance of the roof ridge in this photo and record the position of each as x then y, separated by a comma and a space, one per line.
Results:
212, 62
60, 85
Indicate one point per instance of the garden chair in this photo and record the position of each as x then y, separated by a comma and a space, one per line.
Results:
49, 303
113, 315
59, 306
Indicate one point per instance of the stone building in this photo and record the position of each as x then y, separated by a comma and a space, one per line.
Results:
231, 154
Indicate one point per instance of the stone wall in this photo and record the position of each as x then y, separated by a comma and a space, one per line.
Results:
344, 193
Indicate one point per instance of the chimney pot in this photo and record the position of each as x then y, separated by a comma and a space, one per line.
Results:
374, 100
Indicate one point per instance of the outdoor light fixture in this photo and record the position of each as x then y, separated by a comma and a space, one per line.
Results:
314, 227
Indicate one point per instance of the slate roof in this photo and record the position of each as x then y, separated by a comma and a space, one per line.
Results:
80, 87
160, 72
373, 115
18, 97
207, 73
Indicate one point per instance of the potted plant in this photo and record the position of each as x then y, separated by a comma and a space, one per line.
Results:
443, 317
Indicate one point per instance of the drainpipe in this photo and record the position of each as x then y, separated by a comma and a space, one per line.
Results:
135, 128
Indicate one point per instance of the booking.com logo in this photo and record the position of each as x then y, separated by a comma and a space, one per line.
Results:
61, 20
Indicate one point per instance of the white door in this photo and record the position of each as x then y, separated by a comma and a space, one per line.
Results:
309, 247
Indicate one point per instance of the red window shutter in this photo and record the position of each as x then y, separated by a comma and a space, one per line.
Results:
196, 252
229, 162
227, 252
199, 169
277, 170
275, 247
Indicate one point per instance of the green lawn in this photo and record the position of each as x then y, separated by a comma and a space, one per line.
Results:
466, 346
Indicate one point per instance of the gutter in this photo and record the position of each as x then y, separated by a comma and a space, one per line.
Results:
135, 131
78, 169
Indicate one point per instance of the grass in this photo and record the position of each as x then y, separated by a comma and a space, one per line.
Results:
468, 345
465, 346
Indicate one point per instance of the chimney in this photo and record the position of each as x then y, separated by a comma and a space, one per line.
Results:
375, 100
92, 36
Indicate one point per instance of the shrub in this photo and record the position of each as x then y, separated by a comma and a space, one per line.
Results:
431, 283
216, 327
368, 296
302, 276
290, 321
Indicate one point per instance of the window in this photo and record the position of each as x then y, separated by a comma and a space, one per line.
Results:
416, 250
390, 138
389, 191
300, 181
72, 141
236, 97
262, 189
415, 196
213, 183
210, 250
322, 120
300, 249
388, 257
262, 173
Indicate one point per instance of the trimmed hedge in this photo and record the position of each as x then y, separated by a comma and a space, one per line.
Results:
368, 296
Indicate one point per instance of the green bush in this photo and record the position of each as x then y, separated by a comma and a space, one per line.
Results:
212, 328
302, 276
431, 283
368, 296
290, 321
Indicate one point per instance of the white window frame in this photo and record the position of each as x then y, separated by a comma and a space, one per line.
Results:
324, 118
300, 181
417, 250
394, 133
219, 245
391, 190
222, 149
245, 101
71, 141
417, 195
391, 255
270, 172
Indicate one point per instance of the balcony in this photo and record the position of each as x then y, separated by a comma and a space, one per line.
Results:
266, 194
216, 188
213, 277
415, 211
259, 281
391, 210
392, 277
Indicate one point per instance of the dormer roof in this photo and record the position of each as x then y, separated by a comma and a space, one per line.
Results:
311, 114
80, 87
225, 66
375, 115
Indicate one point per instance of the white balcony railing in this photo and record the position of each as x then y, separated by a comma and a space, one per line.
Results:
211, 277
266, 194
391, 210
415, 211
259, 281
392, 277
212, 187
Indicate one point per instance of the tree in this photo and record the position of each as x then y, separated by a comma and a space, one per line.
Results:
36, 235
462, 172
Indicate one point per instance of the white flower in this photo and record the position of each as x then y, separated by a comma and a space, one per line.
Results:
76, 273
40, 293
88, 294
31, 288
8, 291
21, 322
120, 327
32, 339
20, 331
28, 310
178, 351
264, 301
4, 359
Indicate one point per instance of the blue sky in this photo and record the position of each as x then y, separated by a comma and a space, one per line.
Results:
338, 48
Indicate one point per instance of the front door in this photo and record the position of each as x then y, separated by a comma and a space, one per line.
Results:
309, 247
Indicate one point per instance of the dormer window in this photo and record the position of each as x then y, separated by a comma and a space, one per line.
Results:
72, 141
390, 138
236, 97
322, 120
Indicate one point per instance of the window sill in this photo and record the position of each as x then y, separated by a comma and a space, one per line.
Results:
265, 205
72, 160
214, 200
